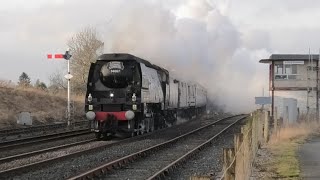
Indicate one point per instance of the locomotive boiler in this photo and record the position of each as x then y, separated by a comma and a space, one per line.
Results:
127, 94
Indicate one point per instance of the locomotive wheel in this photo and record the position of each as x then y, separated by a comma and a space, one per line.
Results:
152, 125
98, 135
107, 137
141, 132
133, 134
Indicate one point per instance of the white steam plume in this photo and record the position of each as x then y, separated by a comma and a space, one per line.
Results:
198, 42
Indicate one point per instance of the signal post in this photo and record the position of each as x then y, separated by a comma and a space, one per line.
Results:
67, 56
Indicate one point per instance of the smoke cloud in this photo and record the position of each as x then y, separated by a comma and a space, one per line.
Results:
196, 41
215, 42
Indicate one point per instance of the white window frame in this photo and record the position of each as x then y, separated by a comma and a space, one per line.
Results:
283, 74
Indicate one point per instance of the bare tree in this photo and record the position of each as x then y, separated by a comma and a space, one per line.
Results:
85, 47
57, 81
40, 85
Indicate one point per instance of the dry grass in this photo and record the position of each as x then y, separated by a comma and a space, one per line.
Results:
43, 105
295, 131
284, 144
6, 84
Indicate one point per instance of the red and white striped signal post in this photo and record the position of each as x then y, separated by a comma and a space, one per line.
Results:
68, 76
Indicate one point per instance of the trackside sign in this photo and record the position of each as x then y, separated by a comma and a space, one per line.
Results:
293, 62
263, 100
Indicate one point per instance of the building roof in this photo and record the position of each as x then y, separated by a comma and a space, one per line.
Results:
290, 57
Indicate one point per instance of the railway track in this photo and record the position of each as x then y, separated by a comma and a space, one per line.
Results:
157, 161
40, 128
5, 145
25, 168
51, 149
66, 165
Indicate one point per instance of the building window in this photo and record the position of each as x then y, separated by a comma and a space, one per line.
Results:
294, 68
285, 71
278, 69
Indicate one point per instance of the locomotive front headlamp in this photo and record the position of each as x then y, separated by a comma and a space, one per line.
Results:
134, 97
89, 98
90, 107
134, 107
111, 95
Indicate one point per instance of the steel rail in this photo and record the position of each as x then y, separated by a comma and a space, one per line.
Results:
130, 158
26, 168
40, 139
166, 170
12, 131
28, 154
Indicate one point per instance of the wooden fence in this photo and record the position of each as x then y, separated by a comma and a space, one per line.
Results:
237, 161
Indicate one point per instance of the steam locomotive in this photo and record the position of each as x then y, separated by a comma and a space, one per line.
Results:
127, 94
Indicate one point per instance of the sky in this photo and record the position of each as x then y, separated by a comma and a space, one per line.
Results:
215, 42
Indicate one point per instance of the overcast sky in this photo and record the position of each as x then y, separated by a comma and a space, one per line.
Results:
240, 31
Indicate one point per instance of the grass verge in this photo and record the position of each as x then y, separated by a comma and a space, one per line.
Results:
45, 106
285, 162
284, 145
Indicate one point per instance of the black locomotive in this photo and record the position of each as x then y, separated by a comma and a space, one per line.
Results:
126, 94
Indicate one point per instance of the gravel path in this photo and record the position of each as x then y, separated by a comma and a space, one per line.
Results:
74, 166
